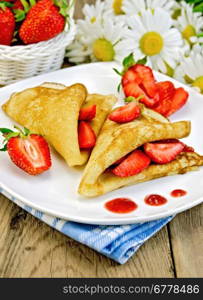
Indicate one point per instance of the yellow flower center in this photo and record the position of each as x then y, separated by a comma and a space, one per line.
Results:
188, 32
199, 83
103, 50
93, 20
151, 43
117, 7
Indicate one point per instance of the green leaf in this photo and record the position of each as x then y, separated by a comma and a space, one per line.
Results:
117, 72
32, 3
4, 148
142, 61
19, 15
5, 130
25, 5
4, 4
131, 98
119, 87
128, 61
10, 135
198, 8
26, 131
200, 34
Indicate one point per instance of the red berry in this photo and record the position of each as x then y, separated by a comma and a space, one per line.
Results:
163, 152
133, 164
86, 136
7, 26
87, 113
30, 153
42, 23
125, 113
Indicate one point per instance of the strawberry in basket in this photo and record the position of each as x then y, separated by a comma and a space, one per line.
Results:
32, 21
43, 22
7, 23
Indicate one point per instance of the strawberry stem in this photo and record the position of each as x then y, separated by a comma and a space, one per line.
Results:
4, 4
131, 98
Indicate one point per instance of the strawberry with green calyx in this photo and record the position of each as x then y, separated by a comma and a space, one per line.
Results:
7, 23
44, 21
137, 80
21, 8
28, 151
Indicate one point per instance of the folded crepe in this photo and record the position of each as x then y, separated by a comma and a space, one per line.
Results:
117, 140
52, 110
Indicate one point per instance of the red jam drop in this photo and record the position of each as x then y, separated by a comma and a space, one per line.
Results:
178, 193
121, 205
155, 200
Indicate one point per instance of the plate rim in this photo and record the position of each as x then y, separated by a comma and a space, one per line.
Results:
12, 195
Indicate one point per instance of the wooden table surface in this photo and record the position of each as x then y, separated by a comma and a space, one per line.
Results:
30, 248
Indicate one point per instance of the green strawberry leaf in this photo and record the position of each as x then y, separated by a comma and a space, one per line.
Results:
142, 61
5, 130
25, 5
128, 61
131, 98
119, 73
119, 87
26, 131
4, 4
4, 148
10, 135
19, 15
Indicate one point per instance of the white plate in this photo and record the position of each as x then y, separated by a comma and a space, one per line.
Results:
55, 192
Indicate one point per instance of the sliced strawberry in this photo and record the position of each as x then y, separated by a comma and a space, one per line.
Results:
134, 163
131, 76
86, 135
188, 149
166, 91
163, 152
87, 113
119, 161
179, 99
132, 89
125, 113
30, 153
148, 80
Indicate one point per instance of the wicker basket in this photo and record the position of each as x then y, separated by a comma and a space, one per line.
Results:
18, 62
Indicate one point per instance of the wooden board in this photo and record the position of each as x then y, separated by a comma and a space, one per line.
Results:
30, 248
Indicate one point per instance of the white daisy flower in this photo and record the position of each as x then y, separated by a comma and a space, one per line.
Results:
94, 12
100, 41
190, 24
190, 70
130, 7
114, 7
152, 35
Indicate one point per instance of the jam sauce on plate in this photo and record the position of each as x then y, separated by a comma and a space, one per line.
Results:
155, 200
121, 205
178, 193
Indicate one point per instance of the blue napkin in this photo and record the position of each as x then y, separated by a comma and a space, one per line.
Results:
118, 242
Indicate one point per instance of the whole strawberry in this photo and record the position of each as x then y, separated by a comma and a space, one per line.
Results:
43, 22
30, 152
7, 24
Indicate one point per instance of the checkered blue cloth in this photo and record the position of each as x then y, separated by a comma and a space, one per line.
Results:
118, 242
